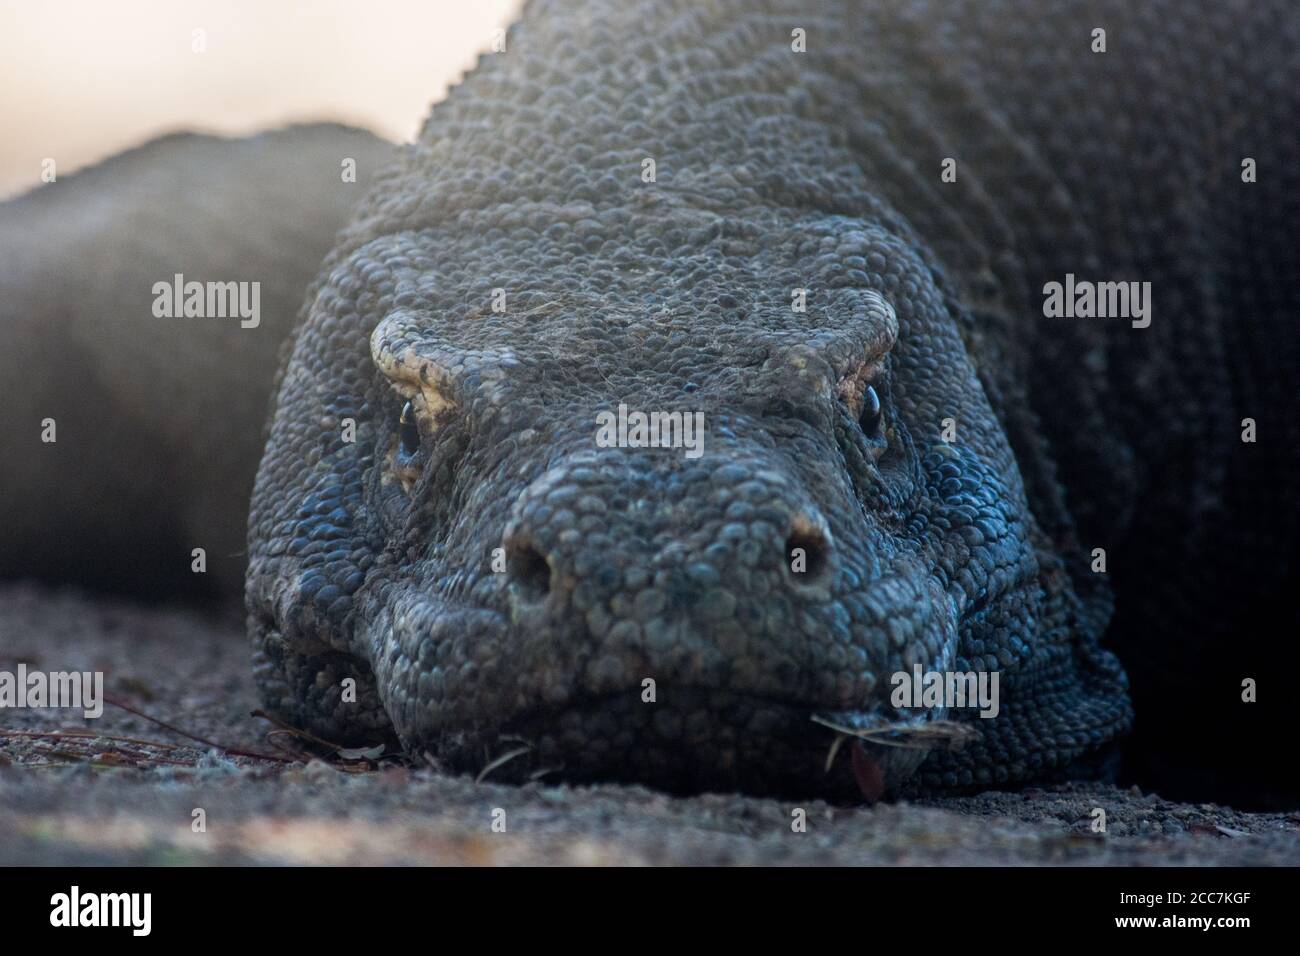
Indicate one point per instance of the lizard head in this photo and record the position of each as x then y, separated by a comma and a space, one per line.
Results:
655, 508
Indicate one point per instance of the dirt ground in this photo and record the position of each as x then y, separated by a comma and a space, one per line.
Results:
129, 793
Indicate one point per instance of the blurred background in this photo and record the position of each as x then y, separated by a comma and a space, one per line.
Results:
83, 79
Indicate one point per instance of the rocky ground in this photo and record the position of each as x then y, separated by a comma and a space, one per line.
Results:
125, 789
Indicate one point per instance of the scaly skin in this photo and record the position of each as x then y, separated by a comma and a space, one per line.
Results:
775, 171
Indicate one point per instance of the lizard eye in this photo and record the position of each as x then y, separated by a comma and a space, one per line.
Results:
872, 417
408, 429
417, 426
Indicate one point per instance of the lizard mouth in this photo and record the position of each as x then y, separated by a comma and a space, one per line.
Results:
682, 737
703, 740
488, 694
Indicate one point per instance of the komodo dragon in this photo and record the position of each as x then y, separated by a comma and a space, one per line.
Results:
829, 233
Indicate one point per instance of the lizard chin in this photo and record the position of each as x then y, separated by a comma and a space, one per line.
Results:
580, 724
493, 692
710, 740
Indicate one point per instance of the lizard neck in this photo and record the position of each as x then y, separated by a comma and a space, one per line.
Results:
715, 103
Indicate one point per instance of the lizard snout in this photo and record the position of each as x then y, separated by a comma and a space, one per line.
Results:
695, 573
806, 559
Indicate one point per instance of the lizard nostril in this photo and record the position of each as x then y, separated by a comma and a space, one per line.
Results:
807, 551
529, 571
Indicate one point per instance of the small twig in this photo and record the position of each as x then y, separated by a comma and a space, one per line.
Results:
231, 751
273, 738
134, 741
835, 749
133, 759
297, 731
941, 732
90, 735
504, 758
